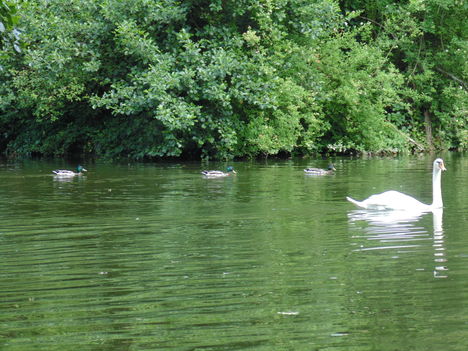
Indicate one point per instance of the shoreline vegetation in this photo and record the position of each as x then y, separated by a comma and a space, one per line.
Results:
196, 79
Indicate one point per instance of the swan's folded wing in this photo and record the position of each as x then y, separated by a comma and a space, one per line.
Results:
393, 200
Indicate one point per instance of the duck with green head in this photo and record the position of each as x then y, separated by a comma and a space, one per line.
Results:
67, 173
320, 171
219, 174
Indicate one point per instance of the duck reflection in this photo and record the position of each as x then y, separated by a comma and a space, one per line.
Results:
63, 179
401, 231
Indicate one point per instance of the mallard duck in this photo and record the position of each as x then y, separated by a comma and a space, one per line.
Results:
394, 200
67, 173
319, 171
219, 174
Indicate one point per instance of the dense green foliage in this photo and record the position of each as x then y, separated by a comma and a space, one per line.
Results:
427, 41
234, 78
9, 34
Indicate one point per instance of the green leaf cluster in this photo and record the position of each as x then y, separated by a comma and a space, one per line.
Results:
9, 33
224, 79
427, 43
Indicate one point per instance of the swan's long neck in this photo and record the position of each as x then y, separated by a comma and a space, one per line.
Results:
436, 189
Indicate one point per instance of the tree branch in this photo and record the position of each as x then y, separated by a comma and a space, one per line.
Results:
455, 78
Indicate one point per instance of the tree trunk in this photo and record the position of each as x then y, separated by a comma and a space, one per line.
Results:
428, 127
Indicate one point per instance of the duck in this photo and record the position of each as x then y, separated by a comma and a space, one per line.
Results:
394, 200
67, 173
320, 171
219, 174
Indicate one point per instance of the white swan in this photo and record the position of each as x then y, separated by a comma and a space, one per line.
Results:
394, 200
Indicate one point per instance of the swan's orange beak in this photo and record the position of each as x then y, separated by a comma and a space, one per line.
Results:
442, 166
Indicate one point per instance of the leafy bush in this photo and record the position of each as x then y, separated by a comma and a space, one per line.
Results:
223, 79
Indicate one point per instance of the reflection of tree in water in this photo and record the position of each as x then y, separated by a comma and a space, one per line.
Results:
400, 230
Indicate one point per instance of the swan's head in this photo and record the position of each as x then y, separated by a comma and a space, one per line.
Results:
331, 167
439, 165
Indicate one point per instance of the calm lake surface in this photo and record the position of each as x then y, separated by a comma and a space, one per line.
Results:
155, 257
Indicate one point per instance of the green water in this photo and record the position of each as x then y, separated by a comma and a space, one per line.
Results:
155, 257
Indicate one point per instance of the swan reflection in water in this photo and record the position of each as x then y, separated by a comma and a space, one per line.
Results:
440, 258
399, 230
